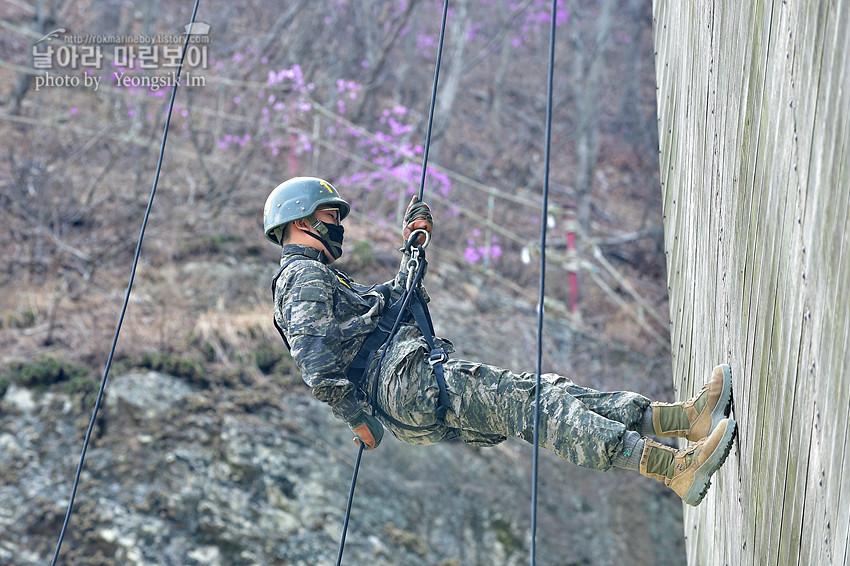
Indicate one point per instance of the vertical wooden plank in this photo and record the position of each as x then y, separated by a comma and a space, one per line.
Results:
805, 75
748, 231
735, 53
841, 527
822, 277
841, 367
836, 398
833, 173
785, 531
669, 105
776, 174
730, 113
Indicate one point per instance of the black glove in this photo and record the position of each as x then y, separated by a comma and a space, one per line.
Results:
368, 429
417, 217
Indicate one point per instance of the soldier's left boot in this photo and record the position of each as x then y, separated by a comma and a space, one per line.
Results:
688, 471
696, 418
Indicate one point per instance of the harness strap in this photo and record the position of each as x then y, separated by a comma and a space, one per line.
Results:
437, 355
416, 307
373, 342
274, 298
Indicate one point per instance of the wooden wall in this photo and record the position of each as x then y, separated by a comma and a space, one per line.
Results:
754, 124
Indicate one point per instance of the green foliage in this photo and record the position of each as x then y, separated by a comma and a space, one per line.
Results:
191, 371
25, 319
84, 387
218, 244
46, 370
359, 255
410, 541
272, 358
207, 352
362, 252
232, 376
203, 347
505, 535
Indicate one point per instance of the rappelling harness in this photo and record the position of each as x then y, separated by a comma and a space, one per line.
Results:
411, 306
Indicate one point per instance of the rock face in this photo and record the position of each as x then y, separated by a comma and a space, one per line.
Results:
187, 472
180, 476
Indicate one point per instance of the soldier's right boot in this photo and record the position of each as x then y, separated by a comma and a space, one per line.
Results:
696, 418
688, 471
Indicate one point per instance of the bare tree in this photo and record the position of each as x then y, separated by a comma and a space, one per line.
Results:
451, 76
588, 57
43, 22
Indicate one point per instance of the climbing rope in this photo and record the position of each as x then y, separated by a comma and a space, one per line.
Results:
542, 285
544, 221
433, 101
414, 277
126, 295
420, 251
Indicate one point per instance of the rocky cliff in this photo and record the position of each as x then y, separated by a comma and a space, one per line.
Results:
182, 471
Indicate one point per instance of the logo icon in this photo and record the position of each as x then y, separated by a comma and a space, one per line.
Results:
51, 36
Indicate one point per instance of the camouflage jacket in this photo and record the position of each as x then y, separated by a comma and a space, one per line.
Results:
326, 317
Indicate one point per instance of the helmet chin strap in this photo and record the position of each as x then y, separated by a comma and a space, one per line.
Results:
324, 243
334, 248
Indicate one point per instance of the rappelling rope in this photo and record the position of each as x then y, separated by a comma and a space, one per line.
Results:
408, 246
413, 280
127, 294
544, 221
433, 101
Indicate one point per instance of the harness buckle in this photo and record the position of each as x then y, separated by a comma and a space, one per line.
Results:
437, 356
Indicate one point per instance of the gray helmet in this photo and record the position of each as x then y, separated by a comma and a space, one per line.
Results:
298, 198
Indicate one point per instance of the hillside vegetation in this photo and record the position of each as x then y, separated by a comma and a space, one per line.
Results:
339, 90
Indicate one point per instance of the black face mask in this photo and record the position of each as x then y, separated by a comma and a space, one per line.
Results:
331, 237
335, 235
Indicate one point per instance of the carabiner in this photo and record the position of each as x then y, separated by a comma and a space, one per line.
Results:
415, 236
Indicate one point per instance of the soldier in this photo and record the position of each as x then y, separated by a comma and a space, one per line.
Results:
329, 323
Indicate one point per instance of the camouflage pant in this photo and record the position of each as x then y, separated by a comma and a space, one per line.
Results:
490, 404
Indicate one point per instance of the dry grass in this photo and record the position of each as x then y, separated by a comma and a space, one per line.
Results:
231, 335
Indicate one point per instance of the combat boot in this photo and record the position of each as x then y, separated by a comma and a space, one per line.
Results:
688, 471
696, 418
